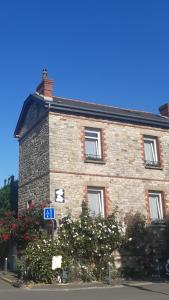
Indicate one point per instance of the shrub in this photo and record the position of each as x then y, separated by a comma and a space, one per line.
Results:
38, 257
86, 245
23, 229
145, 245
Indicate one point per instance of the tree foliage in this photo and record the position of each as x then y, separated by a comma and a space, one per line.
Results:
9, 196
5, 202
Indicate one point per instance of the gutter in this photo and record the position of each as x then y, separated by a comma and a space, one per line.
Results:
104, 115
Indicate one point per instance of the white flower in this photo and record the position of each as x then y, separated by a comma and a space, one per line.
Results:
130, 239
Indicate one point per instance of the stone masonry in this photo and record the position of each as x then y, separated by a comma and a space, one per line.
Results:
34, 165
123, 174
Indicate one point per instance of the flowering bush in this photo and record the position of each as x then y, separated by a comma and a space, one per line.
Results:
86, 245
38, 260
90, 241
23, 229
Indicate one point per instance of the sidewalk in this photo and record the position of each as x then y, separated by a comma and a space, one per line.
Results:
9, 277
12, 279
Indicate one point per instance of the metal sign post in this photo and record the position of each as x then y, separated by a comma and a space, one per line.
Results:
52, 230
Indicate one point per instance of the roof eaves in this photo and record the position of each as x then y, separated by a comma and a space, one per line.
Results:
25, 106
113, 116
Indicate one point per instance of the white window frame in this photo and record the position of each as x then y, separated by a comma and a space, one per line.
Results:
97, 140
159, 205
155, 161
100, 191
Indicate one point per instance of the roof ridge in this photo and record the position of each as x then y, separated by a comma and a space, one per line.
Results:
98, 104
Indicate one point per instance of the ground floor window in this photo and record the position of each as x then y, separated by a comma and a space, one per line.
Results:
96, 202
156, 206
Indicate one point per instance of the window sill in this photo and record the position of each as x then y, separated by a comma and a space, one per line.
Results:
95, 161
157, 223
153, 167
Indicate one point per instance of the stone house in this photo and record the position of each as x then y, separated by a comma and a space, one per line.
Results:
72, 150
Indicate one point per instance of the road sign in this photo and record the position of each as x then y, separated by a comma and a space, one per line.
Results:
49, 213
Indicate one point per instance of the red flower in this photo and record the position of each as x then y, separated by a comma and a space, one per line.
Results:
33, 237
26, 237
14, 226
5, 236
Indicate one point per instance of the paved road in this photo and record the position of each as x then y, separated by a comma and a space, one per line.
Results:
141, 292
4, 286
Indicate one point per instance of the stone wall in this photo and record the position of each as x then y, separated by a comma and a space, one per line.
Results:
36, 191
34, 164
122, 174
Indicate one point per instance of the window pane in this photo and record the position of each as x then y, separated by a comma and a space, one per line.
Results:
91, 134
92, 144
149, 151
156, 209
91, 148
95, 203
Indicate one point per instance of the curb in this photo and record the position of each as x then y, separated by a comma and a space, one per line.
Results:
6, 279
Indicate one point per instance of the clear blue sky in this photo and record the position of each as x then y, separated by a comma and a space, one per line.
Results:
107, 51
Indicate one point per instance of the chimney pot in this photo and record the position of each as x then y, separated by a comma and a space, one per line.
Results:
44, 74
45, 88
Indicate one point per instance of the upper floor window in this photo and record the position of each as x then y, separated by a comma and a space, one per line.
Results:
96, 202
151, 152
93, 144
156, 206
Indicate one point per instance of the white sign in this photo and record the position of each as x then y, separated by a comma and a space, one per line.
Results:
59, 195
56, 262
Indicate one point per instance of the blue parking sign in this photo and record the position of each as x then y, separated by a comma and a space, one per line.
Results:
49, 213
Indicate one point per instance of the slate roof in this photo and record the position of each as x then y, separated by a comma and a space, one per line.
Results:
98, 111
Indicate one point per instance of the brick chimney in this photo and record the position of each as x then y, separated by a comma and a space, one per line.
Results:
164, 110
45, 88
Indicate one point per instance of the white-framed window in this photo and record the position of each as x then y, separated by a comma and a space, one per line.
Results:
96, 202
150, 151
156, 206
93, 143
